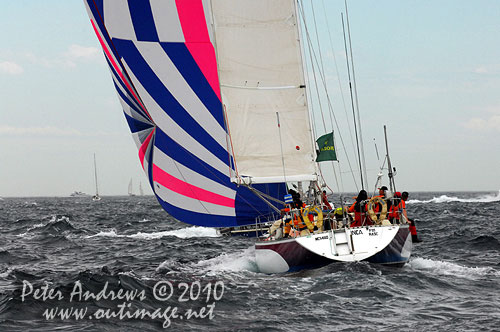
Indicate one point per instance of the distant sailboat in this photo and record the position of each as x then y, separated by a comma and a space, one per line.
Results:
130, 188
141, 192
96, 197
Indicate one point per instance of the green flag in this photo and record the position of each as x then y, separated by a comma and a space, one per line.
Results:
326, 148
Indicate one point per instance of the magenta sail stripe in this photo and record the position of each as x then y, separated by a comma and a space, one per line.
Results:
192, 18
116, 67
144, 148
188, 190
194, 28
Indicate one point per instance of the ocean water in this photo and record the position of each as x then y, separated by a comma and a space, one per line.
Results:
70, 264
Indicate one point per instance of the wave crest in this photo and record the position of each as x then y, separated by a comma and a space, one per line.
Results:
447, 268
447, 199
183, 233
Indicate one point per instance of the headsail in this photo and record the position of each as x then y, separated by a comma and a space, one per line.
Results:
163, 64
261, 74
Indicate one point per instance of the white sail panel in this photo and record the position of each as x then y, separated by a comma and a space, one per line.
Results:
261, 74
167, 20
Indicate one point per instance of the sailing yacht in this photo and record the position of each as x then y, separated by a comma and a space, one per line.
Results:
96, 197
130, 189
214, 93
141, 191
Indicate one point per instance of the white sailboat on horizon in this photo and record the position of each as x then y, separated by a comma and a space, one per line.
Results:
130, 188
96, 197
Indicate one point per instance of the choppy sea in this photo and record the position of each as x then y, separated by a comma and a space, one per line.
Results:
120, 264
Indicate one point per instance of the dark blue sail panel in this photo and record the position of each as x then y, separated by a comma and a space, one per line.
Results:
136, 125
142, 20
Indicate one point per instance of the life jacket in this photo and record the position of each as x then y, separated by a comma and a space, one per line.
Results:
288, 226
394, 211
360, 215
298, 222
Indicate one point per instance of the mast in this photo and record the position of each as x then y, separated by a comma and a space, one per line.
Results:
355, 92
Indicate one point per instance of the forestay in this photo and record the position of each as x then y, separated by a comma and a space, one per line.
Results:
163, 63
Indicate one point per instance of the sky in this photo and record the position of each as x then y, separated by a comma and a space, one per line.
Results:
429, 70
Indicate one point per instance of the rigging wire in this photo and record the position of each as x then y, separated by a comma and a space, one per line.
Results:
330, 110
352, 104
311, 49
313, 57
338, 75
356, 93
309, 44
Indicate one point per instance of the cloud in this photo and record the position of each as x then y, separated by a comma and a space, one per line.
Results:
82, 52
50, 63
38, 131
480, 70
68, 59
487, 69
491, 123
11, 68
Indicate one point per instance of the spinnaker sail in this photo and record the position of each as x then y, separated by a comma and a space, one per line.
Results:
162, 59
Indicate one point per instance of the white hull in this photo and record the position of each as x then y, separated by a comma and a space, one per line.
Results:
377, 244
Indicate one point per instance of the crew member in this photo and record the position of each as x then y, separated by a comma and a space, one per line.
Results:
381, 191
395, 208
378, 207
360, 208
413, 229
339, 217
296, 198
288, 227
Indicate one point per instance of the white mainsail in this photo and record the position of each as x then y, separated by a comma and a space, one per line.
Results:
261, 76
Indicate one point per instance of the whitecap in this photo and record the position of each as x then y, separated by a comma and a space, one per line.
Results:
437, 267
110, 233
183, 233
242, 260
488, 198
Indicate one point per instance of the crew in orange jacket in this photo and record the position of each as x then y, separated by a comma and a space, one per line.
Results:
360, 210
413, 229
